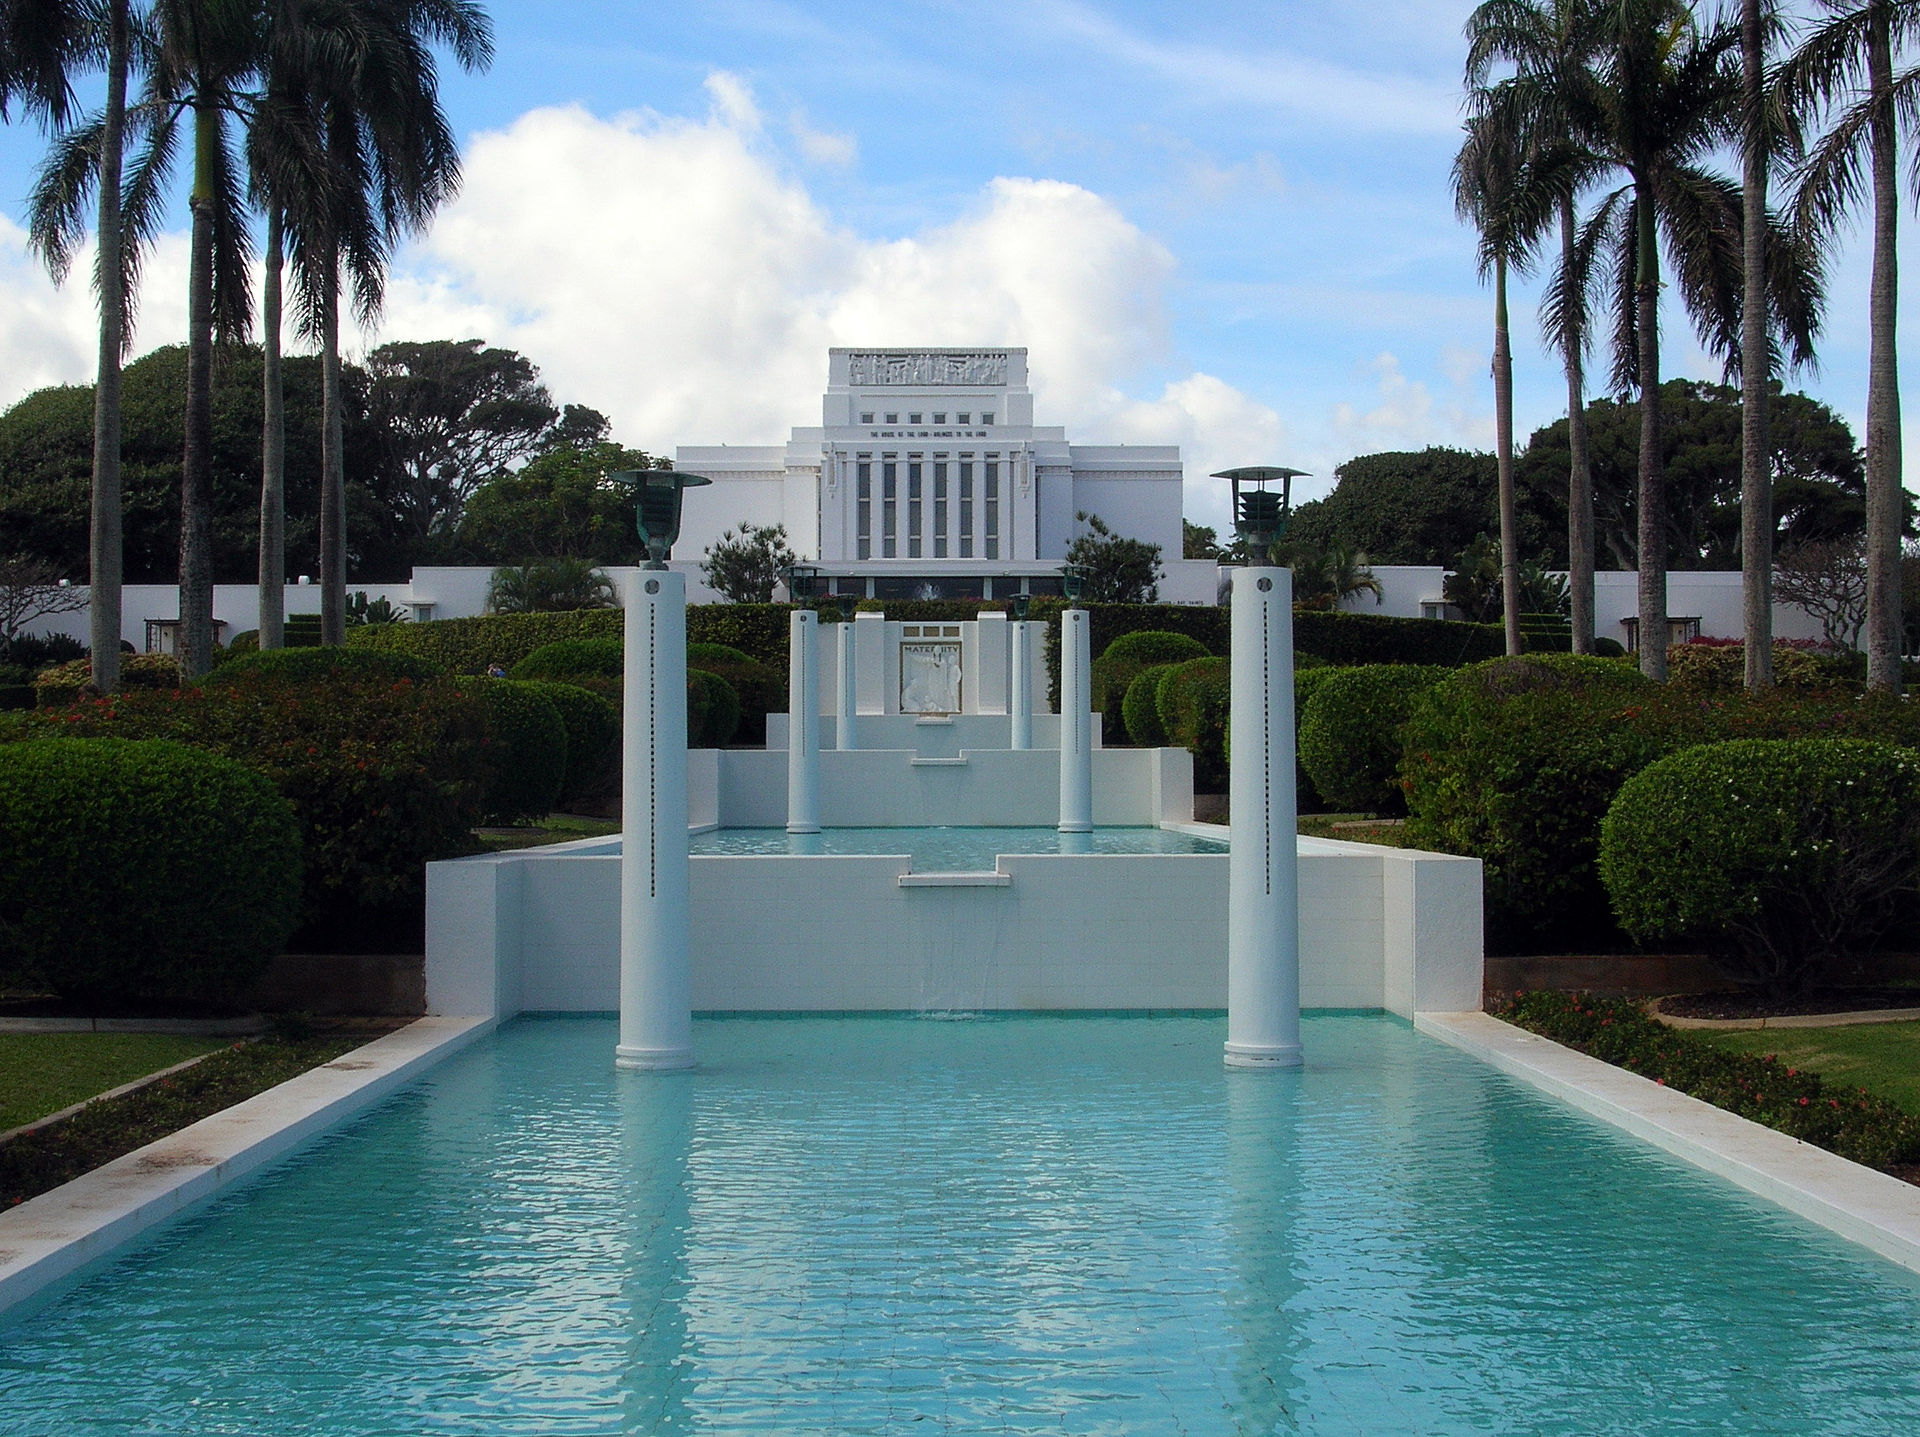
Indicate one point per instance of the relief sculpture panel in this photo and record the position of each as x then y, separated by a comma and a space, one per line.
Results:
908, 367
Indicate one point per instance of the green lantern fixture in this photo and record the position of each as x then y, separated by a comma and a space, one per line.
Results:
848, 603
1073, 582
803, 582
1259, 514
1021, 604
657, 499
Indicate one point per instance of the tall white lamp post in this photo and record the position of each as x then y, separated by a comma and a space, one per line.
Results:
656, 988
1263, 895
1020, 679
846, 734
1076, 716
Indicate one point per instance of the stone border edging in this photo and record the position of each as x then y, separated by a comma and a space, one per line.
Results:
120, 1092
1788, 1020
1864, 1206
250, 1026
62, 1233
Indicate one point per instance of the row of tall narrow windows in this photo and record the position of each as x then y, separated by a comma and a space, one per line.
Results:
961, 496
963, 417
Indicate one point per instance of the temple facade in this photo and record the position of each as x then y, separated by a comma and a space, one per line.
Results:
927, 478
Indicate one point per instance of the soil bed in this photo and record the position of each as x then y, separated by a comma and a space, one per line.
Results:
1819, 1000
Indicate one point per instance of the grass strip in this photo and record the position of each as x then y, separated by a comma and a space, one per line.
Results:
41, 1160
1883, 1058
42, 1073
1846, 1120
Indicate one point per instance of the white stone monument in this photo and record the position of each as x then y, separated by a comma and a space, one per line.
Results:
803, 722
1076, 723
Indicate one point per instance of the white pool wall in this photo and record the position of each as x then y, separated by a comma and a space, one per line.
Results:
538, 931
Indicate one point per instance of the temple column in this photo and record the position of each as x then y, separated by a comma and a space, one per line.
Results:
1020, 687
1076, 724
803, 723
845, 730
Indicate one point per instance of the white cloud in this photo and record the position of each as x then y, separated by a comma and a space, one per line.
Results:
822, 147
733, 101
1407, 415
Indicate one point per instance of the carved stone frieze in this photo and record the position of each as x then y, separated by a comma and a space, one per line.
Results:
919, 367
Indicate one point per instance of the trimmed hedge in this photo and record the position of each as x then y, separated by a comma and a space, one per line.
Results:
1308, 675
1193, 698
526, 750
144, 870
63, 684
1349, 735
1516, 763
471, 646
565, 660
713, 710
761, 688
1780, 855
1722, 668
1140, 709
1114, 671
593, 738
308, 665
384, 776
16, 688
1844, 1121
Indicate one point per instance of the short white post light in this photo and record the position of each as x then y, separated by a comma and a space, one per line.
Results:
656, 986
846, 734
803, 704
1076, 716
1020, 679
1263, 891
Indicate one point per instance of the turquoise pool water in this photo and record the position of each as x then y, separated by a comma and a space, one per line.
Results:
950, 850
1007, 1225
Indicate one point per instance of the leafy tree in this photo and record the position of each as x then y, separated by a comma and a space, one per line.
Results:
745, 563
455, 414
1816, 479
1198, 541
1117, 570
549, 586
559, 505
1420, 507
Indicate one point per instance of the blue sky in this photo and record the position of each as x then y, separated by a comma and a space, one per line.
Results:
1226, 226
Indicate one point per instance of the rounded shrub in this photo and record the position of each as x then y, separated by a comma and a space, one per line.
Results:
1124, 659
65, 683
713, 710
569, 659
761, 688
143, 870
593, 737
1350, 733
1193, 700
247, 641
1722, 667
526, 749
16, 688
308, 665
1309, 673
1780, 855
1140, 709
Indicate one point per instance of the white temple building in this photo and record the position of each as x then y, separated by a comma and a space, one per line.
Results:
927, 478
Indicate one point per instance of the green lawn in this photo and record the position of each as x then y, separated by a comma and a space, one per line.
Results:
41, 1073
555, 828
1883, 1058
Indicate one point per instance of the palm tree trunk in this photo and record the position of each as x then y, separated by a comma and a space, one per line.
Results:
1756, 451
104, 604
333, 485
273, 448
1580, 561
196, 469
1652, 559
1503, 444
1883, 382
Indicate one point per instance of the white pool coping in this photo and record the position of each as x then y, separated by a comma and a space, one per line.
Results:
1868, 1207
60, 1234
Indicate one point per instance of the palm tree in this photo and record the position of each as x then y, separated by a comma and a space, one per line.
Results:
1846, 67
390, 160
1756, 456
1662, 94
40, 43
1548, 42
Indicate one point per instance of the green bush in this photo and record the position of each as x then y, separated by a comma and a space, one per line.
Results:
713, 710
142, 870
16, 687
1114, 671
569, 659
761, 688
1140, 709
62, 684
1722, 668
309, 665
1193, 700
384, 776
1343, 638
247, 641
1781, 856
593, 738
472, 646
1516, 763
1350, 733
526, 749
1606, 648
1309, 673
1844, 1121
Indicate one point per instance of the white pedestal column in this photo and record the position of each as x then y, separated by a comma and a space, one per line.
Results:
1263, 899
803, 723
656, 991
1020, 687
1076, 724
846, 733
